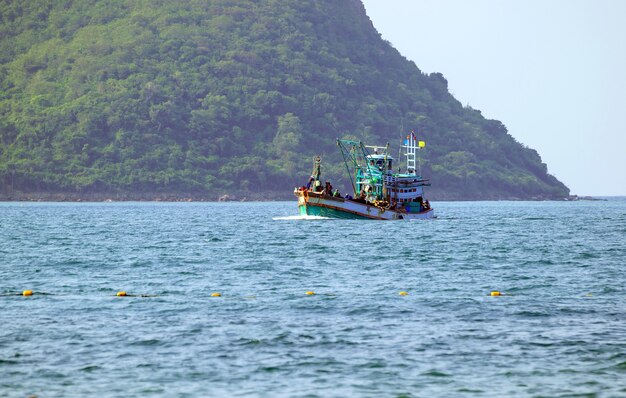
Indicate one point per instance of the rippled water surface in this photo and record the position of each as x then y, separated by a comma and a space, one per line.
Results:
559, 331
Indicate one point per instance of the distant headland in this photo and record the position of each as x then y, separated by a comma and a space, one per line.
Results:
227, 98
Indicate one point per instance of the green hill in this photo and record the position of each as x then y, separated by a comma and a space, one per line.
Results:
206, 97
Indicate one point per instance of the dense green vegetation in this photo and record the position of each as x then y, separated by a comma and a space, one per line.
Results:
227, 96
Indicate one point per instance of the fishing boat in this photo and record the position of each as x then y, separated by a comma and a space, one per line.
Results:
379, 192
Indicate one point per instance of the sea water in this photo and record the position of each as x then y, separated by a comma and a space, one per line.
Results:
559, 329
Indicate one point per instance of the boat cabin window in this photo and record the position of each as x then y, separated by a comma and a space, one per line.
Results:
381, 162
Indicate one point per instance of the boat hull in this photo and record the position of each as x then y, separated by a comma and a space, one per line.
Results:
317, 204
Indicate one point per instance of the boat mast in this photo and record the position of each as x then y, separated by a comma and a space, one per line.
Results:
385, 173
317, 171
420, 145
410, 148
348, 154
356, 156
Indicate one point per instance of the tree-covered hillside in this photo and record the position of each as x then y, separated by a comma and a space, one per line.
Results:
227, 96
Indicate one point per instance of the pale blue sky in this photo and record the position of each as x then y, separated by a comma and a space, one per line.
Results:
553, 71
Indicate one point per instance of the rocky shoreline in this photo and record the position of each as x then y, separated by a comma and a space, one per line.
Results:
138, 197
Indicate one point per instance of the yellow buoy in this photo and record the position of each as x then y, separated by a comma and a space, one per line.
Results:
216, 294
403, 293
310, 293
121, 294
495, 293
27, 293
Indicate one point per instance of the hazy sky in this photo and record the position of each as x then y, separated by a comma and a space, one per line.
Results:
553, 71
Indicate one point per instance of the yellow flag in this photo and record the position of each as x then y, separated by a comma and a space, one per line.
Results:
421, 144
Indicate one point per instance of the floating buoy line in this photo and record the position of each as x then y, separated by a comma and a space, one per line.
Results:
30, 293
124, 294
25, 293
